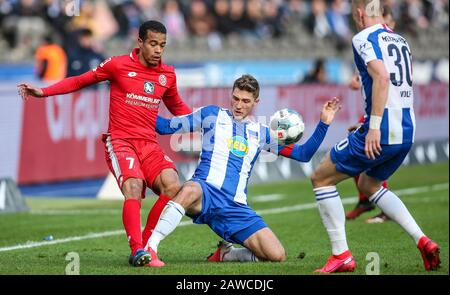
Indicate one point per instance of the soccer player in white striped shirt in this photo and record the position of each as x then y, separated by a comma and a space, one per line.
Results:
377, 148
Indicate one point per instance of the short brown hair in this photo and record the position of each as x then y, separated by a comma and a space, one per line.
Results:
247, 83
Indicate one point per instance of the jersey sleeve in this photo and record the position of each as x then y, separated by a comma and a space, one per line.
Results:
367, 48
303, 152
173, 101
105, 70
67, 85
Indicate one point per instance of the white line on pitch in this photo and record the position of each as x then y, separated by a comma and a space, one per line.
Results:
409, 191
31, 244
267, 198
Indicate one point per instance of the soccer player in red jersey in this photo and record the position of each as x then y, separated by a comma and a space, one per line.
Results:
139, 81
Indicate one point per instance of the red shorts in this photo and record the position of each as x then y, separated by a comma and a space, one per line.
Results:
135, 158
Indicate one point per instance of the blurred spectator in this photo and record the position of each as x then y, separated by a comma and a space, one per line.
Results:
389, 17
25, 27
174, 21
51, 61
118, 9
147, 9
412, 16
239, 17
222, 14
317, 22
296, 9
337, 16
6, 29
84, 57
273, 15
86, 19
54, 14
317, 74
201, 21
24, 23
253, 19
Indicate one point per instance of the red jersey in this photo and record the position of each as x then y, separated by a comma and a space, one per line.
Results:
135, 94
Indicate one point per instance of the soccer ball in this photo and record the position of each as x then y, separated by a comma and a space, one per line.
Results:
286, 126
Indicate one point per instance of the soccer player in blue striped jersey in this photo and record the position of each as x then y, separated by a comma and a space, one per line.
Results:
377, 148
217, 193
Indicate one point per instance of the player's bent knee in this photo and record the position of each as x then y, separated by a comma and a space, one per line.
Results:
316, 179
171, 189
188, 194
278, 255
368, 186
132, 189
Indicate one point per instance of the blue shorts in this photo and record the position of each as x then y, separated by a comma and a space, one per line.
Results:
349, 157
232, 221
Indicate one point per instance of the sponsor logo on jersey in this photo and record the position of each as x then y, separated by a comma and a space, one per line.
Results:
132, 74
143, 98
238, 146
149, 87
162, 80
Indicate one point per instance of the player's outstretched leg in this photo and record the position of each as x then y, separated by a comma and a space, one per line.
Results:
393, 207
153, 217
227, 252
189, 195
169, 220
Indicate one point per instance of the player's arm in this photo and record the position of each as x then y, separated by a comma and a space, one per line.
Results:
70, 84
183, 124
304, 152
380, 88
174, 103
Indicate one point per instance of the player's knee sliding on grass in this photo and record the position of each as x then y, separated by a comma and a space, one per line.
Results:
259, 243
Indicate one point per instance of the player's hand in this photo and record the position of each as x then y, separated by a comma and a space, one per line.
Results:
329, 110
373, 146
354, 127
26, 90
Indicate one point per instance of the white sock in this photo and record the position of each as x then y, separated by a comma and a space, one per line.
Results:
168, 221
333, 217
393, 207
239, 254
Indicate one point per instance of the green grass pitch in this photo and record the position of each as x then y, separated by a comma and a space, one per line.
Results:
103, 248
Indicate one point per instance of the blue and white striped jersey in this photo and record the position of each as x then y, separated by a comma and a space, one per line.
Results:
230, 148
379, 42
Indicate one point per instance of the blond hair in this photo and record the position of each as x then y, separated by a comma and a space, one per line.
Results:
371, 7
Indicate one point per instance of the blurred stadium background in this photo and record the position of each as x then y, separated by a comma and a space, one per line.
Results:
299, 50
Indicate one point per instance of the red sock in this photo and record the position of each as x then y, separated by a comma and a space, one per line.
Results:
131, 217
153, 217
